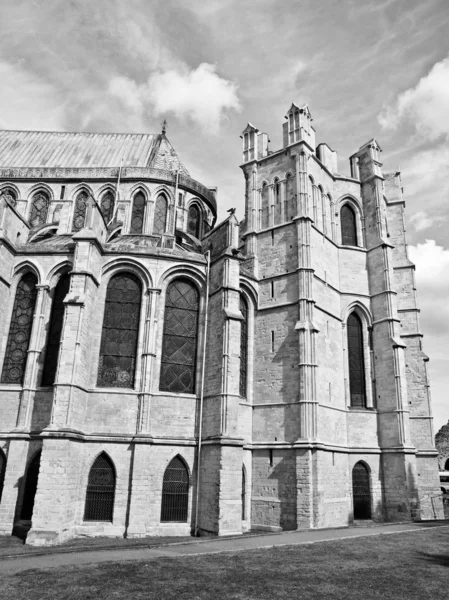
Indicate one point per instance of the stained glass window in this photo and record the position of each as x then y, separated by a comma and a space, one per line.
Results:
100, 490
20, 330
107, 206
243, 347
175, 492
2, 471
9, 195
160, 215
348, 226
180, 338
118, 348
138, 213
356, 361
193, 221
39, 209
29, 494
79, 213
55, 330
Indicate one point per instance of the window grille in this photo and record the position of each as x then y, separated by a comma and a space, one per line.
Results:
120, 332
79, 213
361, 492
348, 226
160, 215
243, 347
20, 330
243, 494
55, 330
193, 221
29, 494
179, 338
100, 490
2, 472
9, 195
107, 206
356, 361
39, 209
175, 492
138, 213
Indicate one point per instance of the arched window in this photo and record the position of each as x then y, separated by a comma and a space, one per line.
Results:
180, 338
20, 330
361, 491
138, 213
100, 490
9, 195
243, 347
39, 209
348, 226
107, 206
79, 213
193, 221
265, 208
55, 330
175, 492
118, 348
278, 201
289, 210
160, 215
356, 361
2, 471
243, 494
29, 494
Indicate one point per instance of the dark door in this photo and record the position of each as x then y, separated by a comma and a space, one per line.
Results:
361, 492
30, 488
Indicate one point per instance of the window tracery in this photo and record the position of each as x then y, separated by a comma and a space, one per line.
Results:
9, 195
193, 221
107, 206
160, 215
138, 213
79, 213
39, 209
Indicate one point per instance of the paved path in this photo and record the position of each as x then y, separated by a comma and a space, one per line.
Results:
9, 566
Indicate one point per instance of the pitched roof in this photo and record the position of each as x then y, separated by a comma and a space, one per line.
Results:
87, 150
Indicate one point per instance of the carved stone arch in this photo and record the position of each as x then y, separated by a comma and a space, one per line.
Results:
43, 232
40, 187
39, 200
57, 272
6, 187
128, 264
362, 311
81, 187
249, 291
164, 189
140, 186
105, 192
187, 271
352, 199
184, 461
25, 266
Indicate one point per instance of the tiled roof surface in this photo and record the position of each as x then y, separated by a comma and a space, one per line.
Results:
85, 150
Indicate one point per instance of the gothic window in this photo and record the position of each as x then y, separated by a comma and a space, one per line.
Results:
79, 213
20, 330
193, 221
100, 490
2, 471
29, 494
160, 215
277, 200
107, 206
289, 198
243, 494
348, 226
175, 492
264, 207
9, 195
55, 330
179, 338
39, 209
361, 492
356, 361
118, 347
138, 213
243, 347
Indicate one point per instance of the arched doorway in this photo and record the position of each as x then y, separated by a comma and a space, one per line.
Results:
32, 477
361, 491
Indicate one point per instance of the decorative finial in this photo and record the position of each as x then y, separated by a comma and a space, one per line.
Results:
164, 126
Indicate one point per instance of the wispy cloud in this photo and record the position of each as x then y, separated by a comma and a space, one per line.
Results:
421, 220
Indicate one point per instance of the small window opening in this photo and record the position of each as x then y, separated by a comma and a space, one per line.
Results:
272, 341
62, 194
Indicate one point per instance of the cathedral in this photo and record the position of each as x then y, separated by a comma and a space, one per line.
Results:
163, 373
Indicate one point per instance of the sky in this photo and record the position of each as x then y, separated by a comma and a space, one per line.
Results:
367, 68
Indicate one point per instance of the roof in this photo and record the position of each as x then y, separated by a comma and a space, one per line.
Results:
87, 150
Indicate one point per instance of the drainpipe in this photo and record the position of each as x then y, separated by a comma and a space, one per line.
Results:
203, 371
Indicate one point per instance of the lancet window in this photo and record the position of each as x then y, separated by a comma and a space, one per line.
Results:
39, 209
178, 365
9, 195
160, 215
138, 213
100, 490
79, 212
243, 347
107, 206
348, 226
118, 349
194, 221
356, 361
175, 492
20, 330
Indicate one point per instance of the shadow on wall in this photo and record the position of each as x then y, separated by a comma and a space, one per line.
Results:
284, 510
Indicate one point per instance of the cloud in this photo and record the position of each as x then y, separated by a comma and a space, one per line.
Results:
426, 105
421, 220
199, 95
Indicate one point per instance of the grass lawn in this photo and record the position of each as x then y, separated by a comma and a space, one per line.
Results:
411, 566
